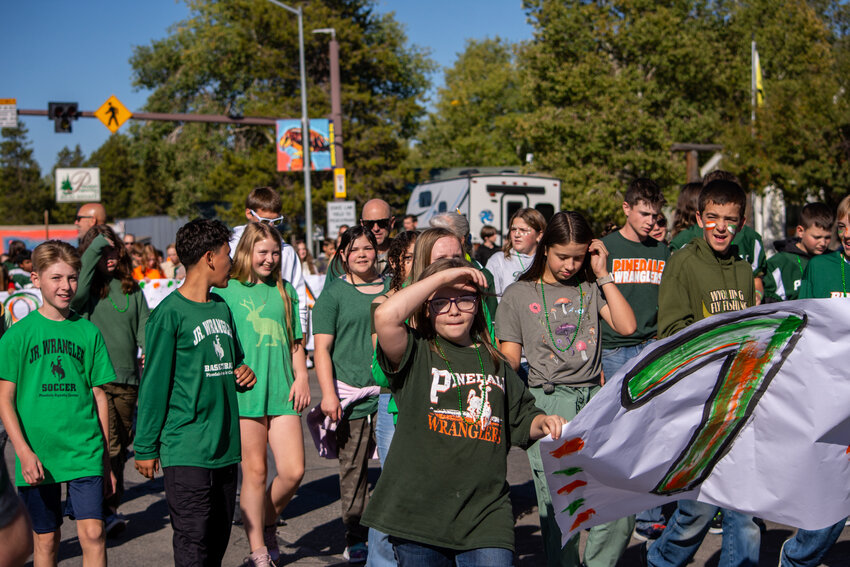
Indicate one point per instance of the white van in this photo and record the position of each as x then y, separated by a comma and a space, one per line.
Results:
485, 199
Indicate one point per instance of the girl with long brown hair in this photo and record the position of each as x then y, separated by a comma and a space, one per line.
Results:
564, 293
109, 296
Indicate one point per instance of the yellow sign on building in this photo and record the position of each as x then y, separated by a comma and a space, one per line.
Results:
113, 114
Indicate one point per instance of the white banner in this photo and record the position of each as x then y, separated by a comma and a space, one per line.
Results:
22, 302
747, 410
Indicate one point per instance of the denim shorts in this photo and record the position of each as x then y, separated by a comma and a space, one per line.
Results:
44, 502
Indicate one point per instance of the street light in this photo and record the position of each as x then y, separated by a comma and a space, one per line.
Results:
336, 102
305, 125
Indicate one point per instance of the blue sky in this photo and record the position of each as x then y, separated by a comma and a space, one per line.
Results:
55, 50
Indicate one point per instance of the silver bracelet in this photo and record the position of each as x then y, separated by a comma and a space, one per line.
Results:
605, 280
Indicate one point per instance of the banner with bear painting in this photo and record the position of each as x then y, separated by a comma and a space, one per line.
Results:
747, 410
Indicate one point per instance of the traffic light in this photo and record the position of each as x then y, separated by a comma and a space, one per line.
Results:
62, 113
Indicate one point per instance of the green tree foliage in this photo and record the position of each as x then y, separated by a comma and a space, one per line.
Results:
614, 84
240, 57
118, 172
23, 194
475, 117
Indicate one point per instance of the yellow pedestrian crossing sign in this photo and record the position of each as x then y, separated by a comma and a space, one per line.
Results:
113, 114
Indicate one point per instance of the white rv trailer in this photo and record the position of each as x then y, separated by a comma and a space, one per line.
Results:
485, 199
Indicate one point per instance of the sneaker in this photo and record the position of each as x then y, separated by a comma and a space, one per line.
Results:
356, 553
716, 524
270, 539
259, 558
114, 524
651, 532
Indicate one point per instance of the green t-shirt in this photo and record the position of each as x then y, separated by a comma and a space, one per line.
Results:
55, 365
260, 318
748, 241
637, 268
826, 276
120, 317
443, 481
345, 313
188, 415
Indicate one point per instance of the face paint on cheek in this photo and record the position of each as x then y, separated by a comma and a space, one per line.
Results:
841, 231
710, 225
732, 228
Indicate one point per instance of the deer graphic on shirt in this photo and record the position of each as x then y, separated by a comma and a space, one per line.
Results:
263, 326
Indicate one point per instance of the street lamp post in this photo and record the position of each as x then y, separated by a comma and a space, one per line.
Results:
336, 96
305, 125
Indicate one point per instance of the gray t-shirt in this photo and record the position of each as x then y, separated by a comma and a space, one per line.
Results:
520, 319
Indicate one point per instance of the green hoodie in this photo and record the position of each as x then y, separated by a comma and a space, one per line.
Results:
697, 283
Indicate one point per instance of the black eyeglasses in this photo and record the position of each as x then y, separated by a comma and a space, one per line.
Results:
464, 303
78, 218
662, 222
368, 224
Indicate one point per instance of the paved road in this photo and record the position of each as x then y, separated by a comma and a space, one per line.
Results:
313, 534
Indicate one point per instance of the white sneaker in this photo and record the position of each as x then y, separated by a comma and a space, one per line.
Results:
259, 558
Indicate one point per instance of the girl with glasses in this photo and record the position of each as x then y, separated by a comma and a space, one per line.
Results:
552, 314
343, 359
527, 225
461, 407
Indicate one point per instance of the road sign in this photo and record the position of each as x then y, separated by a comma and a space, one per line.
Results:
77, 184
113, 114
340, 213
339, 183
8, 113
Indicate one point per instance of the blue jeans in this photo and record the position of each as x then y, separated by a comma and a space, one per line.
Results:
808, 547
612, 360
380, 550
687, 528
412, 554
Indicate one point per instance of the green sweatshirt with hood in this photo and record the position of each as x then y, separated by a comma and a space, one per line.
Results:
784, 272
697, 283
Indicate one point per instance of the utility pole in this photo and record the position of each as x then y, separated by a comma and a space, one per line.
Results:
305, 125
336, 95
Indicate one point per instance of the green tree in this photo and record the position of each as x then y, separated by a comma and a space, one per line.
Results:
614, 84
118, 172
23, 194
241, 57
800, 141
475, 117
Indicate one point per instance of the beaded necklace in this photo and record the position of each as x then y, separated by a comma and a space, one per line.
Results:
546, 314
799, 263
115, 307
457, 385
518, 257
843, 282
